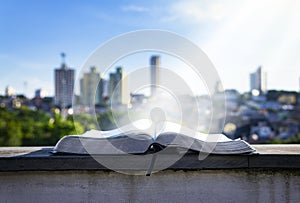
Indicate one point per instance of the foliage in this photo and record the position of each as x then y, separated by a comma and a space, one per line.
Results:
292, 140
105, 121
82, 123
26, 127
275, 95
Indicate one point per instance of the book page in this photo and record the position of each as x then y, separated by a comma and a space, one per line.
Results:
130, 129
172, 127
146, 126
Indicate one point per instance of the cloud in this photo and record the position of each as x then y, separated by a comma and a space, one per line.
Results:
240, 35
191, 12
134, 8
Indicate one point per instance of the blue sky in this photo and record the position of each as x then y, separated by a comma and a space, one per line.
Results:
237, 36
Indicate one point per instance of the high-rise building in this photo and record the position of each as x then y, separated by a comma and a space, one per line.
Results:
40, 93
154, 72
258, 80
9, 91
118, 87
91, 88
64, 85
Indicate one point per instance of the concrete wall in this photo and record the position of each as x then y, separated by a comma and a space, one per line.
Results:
165, 186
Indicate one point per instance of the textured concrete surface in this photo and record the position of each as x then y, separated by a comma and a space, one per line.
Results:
166, 186
35, 175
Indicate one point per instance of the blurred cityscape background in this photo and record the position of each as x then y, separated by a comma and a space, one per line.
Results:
255, 56
257, 116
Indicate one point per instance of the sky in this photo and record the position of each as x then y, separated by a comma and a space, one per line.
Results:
237, 36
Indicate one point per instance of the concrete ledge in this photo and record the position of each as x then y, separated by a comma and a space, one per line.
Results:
236, 185
33, 174
41, 159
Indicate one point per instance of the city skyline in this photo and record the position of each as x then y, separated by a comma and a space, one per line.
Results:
91, 79
234, 39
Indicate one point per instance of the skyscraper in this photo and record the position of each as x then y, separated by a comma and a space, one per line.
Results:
91, 88
258, 80
64, 85
40, 93
154, 71
118, 87
9, 91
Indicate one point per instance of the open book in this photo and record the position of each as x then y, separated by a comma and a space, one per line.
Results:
125, 140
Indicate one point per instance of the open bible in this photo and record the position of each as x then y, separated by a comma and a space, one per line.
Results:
126, 140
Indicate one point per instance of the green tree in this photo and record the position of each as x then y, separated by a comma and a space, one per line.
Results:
83, 122
26, 127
